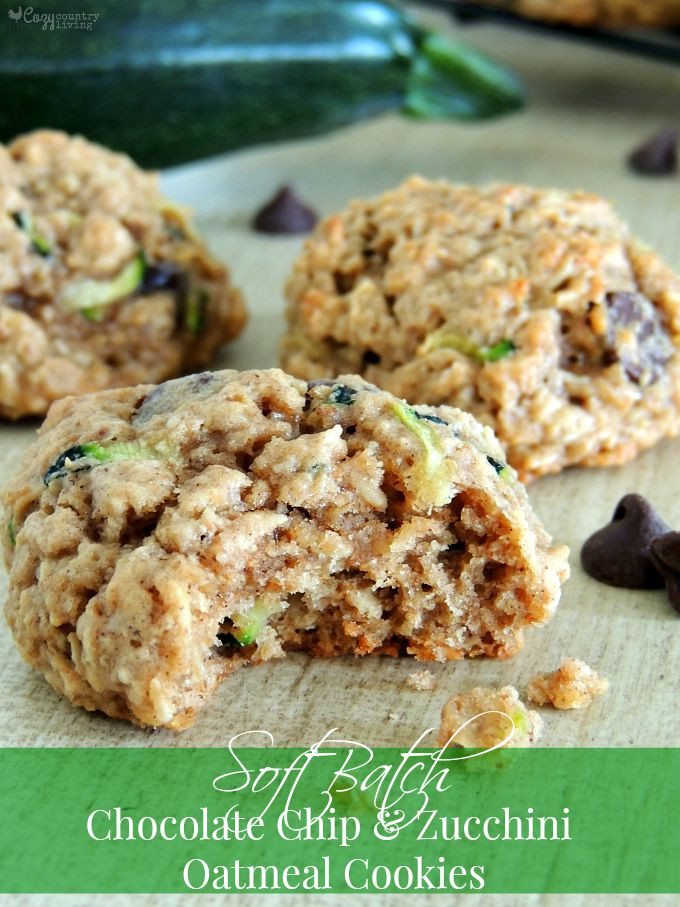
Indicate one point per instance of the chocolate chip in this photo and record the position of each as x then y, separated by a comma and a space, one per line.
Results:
285, 214
165, 275
21, 302
666, 558
658, 156
619, 554
644, 359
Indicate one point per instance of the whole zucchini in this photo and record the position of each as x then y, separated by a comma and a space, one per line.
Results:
177, 80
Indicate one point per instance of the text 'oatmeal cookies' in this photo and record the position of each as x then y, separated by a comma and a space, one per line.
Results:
159, 537
103, 281
533, 309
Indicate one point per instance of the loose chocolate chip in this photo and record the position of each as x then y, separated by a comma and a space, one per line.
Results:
619, 554
285, 214
658, 156
666, 558
644, 360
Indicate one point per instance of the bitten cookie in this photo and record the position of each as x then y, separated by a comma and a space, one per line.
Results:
159, 537
533, 309
103, 282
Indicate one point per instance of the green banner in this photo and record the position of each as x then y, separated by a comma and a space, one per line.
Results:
339, 817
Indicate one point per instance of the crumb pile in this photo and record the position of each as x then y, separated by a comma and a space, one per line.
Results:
573, 685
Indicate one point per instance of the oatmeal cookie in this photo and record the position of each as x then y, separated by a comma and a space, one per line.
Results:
103, 282
533, 309
486, 717
159, 537
571, 686
589, 13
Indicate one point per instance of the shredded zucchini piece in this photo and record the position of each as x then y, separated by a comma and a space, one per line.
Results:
90, 297
85, 456
437, 469
445, 340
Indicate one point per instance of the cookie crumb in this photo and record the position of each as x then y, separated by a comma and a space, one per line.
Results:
487, 717
420, 680
573, 685
619, 554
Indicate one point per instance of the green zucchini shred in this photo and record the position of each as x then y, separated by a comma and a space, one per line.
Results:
92, 454
11, 533
498, 351
40, 244
520, 722
247, 627
503, 470
482, 354
436, 467
90, 297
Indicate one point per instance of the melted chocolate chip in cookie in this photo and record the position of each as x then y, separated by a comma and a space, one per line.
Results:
632, 315
619, 554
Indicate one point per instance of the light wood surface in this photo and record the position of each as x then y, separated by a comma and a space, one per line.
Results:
588, 108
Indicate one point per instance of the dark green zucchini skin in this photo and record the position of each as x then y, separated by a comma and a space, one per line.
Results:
173, 81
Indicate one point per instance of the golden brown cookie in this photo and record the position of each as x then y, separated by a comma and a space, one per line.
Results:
103, 281
536, 310
159, 537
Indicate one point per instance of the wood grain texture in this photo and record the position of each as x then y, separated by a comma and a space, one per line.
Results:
588, 109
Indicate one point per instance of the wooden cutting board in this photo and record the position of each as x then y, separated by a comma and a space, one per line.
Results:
588, 108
